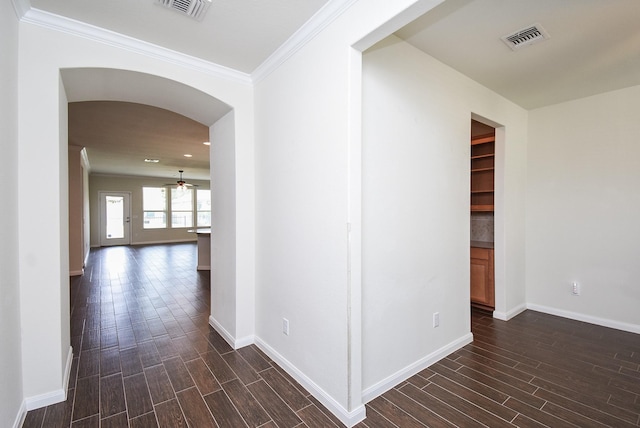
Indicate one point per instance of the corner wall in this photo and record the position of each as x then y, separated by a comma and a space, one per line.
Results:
415, 203
11, 390
582, 209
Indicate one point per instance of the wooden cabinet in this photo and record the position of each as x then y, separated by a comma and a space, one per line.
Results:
482, 283
482, 172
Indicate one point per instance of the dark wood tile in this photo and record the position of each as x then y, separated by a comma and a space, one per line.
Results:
254, 358
314, 418
34, 418
145, 421
399, 417
218, 366
535, 370
90, 422
130, 362
117, 421
178, 373
281, 414
109, 361
87, 397
170, 415
224, 412
89, 364
285, 390
202, 376
159, 384
112, 399
59, 415
242, 369
194, 409
148, 354
137, 395
250, 409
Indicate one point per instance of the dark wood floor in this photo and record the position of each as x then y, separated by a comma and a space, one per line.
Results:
145, 356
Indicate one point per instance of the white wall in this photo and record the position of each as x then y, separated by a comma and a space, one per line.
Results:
307, 127
583, 208
10, 351
43, 251
415, 204
223, 243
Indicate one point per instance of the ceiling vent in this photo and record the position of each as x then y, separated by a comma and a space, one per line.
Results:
525, 37
193, 8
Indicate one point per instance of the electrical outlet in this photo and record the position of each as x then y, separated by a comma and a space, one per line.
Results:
285, 326
575, 288
436, 319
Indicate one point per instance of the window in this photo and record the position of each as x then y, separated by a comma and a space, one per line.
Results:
203, 208
154, 207
181, 208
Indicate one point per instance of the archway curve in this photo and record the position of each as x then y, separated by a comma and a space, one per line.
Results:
109, 84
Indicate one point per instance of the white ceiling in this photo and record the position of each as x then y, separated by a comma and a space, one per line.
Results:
238, 34
594, 45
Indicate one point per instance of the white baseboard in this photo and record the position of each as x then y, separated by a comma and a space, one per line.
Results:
203, 267
349, 418
20, 417
618, 325
506, 316
52, 397
167, 241
76, 272
400, 376
228, 337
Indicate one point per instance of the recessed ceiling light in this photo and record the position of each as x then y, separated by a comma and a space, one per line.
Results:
207, 143
187, 155
152, 160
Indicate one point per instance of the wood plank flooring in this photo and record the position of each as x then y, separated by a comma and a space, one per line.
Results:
145, 356
535, 370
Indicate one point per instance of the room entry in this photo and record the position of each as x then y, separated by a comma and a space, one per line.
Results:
115, 218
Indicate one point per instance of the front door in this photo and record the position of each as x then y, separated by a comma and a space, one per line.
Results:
115, 218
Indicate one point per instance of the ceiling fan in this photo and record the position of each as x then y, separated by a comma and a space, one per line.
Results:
182, 185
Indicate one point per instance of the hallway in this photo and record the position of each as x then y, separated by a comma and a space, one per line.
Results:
145, 355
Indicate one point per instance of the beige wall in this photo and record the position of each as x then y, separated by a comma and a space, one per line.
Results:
134, 185
582, 209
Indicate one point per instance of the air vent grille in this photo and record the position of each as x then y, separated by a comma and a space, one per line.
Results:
525, 37
192, 8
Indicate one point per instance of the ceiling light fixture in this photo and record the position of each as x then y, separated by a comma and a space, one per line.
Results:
207, 143
187, 155
152, 160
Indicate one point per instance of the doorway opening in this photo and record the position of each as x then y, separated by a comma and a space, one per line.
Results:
482, 171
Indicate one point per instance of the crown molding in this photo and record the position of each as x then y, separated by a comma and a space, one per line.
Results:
325, 16
111, 38
21, 7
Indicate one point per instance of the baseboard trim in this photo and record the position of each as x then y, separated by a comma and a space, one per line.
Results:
52, 397
228, 337
21, 416
604, 322
203, 267
349, 418
506, 316
76, 272
400, 376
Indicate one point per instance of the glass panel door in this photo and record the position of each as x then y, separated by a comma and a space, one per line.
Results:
115, 218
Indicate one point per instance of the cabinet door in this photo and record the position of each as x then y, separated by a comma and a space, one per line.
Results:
482, 287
